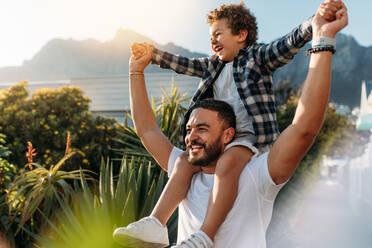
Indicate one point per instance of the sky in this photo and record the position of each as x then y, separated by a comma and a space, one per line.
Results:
26, 26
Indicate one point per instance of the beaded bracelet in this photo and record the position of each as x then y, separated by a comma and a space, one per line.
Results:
320, 49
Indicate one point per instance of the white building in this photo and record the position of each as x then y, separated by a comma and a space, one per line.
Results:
360, 169
110, 95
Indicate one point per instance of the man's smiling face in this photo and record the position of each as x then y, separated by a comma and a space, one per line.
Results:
204, 137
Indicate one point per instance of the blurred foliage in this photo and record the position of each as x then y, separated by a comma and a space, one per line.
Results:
7, 170
46, 117
34, 194
7, 174
337, 138
115, 201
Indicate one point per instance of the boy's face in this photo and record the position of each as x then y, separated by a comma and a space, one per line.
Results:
225, 44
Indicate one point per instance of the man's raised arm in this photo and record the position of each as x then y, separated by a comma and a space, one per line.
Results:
297, 138
145, 124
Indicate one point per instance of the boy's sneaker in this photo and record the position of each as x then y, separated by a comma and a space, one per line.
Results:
148, 232
196, 240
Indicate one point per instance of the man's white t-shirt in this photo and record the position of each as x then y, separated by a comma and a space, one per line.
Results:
246, 224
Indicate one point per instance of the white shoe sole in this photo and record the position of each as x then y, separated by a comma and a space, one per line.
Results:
131, 242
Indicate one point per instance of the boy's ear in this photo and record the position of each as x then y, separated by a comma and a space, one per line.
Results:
243, 35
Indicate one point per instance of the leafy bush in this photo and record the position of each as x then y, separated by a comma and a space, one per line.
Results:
46, 117
169, 114
88, 213
7, 174
7, 170
96, 211
34, 194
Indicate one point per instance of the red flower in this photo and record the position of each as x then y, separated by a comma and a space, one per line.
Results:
30, 154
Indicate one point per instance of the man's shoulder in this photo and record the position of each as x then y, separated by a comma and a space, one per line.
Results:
256, 164
258, 159
175, 153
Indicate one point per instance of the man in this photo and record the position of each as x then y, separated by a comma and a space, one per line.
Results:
209, 130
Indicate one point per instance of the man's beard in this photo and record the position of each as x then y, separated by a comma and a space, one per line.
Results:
212, 153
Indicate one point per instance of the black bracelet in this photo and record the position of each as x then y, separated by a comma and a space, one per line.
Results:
321, 49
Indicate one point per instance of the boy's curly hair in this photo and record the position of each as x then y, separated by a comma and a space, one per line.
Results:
238, 18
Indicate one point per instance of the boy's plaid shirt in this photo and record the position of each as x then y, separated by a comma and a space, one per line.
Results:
252, 72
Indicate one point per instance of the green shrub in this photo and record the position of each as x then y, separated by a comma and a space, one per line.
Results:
46, 117
98, 209
7, 174
33, 196
7, 170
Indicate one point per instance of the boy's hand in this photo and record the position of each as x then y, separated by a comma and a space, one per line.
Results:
139, 63
328, 9
139, 49
322, 28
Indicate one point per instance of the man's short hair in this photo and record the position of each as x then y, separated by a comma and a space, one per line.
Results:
224, 110
238, 18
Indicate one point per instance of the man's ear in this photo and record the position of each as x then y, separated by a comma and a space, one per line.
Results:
228, 135
242, 35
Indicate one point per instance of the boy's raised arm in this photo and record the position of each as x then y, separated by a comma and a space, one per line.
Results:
180, 64
281, 51
297, 138
155, 142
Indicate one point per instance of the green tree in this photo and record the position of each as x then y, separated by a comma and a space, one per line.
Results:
46, 117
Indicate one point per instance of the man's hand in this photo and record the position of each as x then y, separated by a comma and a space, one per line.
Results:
141, 57
139, 49
328, 9
323, 28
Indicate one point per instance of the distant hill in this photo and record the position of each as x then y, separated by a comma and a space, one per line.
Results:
64, 59
352, 64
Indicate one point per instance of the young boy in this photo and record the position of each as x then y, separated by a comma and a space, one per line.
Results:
239, 73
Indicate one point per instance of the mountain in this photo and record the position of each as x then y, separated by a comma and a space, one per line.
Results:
351, 65
64, 59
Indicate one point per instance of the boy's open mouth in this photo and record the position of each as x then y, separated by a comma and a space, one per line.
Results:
218, 49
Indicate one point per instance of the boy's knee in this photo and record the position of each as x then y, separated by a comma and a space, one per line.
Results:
233, 161
226, 166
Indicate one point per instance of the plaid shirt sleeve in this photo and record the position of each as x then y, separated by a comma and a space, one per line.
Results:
179, 64
281, 51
